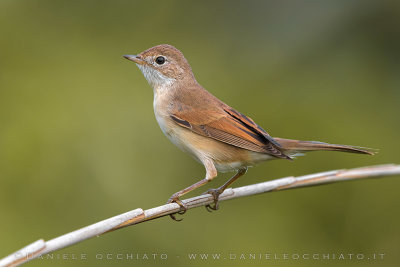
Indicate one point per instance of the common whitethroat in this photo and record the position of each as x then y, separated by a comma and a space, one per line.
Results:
215, 134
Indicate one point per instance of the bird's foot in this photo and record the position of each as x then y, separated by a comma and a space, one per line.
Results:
215, 193
175, 199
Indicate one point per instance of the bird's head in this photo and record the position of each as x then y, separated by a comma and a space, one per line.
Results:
162, 65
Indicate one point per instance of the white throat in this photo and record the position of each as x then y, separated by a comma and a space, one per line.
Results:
157, 80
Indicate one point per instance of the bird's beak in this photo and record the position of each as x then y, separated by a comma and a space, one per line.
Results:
135, 59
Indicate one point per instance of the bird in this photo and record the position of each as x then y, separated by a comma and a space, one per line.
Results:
215, 134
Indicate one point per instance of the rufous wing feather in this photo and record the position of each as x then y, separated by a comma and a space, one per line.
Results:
238, 130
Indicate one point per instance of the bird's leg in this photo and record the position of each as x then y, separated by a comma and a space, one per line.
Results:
211, 174
216, 192
175, 197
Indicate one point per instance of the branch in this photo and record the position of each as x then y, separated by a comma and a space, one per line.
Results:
136, 216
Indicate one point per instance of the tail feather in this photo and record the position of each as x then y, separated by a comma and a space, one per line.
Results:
299, 146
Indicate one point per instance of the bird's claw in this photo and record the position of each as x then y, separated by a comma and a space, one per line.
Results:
215, 193
175, 199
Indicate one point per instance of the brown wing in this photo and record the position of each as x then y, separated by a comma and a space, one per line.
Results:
229, 126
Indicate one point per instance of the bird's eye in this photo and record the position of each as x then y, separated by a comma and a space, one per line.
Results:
160, 60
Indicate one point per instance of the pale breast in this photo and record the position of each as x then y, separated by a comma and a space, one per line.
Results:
172, 131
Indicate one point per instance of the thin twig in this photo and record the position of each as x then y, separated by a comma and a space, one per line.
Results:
136, 216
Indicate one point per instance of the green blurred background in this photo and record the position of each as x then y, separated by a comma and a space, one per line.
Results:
79, 142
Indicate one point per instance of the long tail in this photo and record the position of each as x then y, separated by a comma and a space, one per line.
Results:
303, 146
